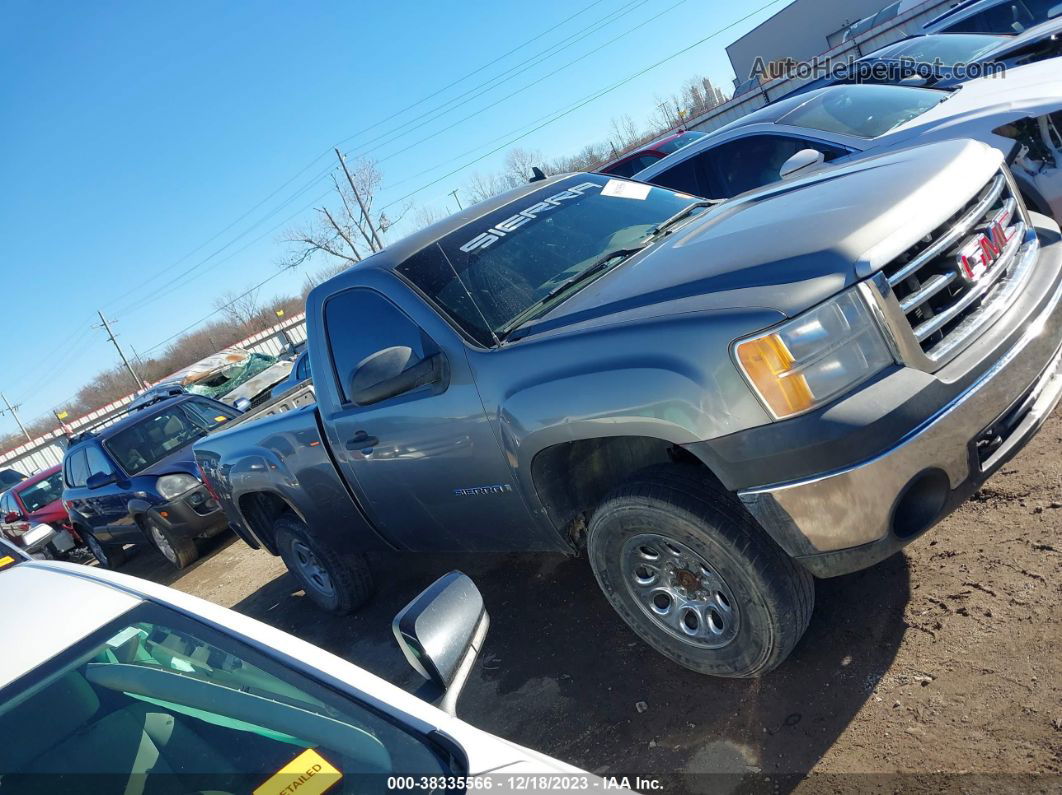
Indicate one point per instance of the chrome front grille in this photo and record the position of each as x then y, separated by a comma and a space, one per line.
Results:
944, 294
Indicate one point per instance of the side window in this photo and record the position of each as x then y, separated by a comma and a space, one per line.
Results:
302, 372
360, 323
97, 462
753, 162
628, 168
7, 505
686, 176
1005, 18
76, 469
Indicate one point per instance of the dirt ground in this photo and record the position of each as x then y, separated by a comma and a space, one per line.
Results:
942, 661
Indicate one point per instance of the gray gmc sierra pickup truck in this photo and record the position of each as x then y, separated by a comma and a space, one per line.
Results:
716, 401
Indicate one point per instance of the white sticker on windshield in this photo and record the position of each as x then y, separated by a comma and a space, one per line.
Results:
622, 189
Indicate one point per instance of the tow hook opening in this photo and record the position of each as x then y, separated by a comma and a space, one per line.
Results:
920, 503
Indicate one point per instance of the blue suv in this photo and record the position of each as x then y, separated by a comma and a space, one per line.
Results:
136, 481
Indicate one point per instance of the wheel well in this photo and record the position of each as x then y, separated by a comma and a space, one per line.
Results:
260, 510
572, 478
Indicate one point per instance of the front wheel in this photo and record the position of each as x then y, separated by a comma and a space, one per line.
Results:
692, 574
109, 557
179, 550
338, 582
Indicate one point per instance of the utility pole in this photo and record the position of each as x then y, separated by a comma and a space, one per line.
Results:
454, 194
361, 204
13, 411
121, 353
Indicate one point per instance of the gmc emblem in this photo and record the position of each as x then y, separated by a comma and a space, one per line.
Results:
982, 252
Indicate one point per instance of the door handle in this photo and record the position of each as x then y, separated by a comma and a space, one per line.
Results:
362, 441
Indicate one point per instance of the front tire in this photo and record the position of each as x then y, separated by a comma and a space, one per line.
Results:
109, 557
693, 575
179, 550
337, 582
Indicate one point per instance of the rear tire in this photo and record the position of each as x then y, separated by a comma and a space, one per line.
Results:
179, 550
337, 582
692, 574
108, 556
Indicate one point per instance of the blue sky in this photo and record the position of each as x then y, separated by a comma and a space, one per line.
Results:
138, 136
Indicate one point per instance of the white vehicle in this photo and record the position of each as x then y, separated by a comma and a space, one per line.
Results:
121, 685
1020, 114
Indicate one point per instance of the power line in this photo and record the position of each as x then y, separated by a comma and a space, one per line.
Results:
587, 100
320, 175
13, 411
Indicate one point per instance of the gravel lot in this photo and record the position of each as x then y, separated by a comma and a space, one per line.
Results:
942, 660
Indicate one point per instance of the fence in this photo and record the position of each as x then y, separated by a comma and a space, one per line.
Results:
875, 38
47, 450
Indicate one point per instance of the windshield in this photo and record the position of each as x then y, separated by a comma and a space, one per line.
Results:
42, 493
155, 702
221, 383
492, 270
950, 48
144, 444
867, 111
675, 144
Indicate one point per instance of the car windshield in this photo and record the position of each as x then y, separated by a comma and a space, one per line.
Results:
867, 111
156, 702
139, 446
675, 144
42, 493
492, 270
949, 48
226, 380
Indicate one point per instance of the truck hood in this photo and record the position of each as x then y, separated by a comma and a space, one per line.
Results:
791, 245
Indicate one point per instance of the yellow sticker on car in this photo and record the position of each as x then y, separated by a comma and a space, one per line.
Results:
221, 418
6, 561
309, 773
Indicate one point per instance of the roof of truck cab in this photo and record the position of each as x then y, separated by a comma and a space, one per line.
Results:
397, 253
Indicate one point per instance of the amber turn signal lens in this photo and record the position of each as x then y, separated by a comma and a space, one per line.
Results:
768, 365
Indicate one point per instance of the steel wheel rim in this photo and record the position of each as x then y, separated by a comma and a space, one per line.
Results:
96, 548
311, 569
163, 543
679, 591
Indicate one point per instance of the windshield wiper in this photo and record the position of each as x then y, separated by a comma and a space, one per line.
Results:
681, 215
600, 265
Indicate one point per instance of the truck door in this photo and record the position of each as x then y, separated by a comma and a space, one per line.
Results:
110, 503
420, 451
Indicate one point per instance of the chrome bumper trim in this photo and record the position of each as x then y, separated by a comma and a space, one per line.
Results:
853, 506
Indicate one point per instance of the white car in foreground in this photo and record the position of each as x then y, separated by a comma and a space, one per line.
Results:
115, 684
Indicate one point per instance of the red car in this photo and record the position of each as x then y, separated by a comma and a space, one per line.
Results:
633, 162
32, 515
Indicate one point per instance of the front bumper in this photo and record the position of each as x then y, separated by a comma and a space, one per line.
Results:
192, 514
854, 516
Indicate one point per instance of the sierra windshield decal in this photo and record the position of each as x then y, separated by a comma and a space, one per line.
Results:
509, 225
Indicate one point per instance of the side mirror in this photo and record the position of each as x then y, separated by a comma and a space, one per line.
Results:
1054, 11
804, 159
101, 479
392, 372
11, 517
441, 633
242, 405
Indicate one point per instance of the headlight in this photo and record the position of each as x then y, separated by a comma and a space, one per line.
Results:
171, 486
807, 361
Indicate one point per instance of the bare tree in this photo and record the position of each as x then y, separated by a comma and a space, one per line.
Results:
518, 165
344, 231
426, 216
238, 308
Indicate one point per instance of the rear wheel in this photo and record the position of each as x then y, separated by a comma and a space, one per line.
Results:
109, 557
694, 576
339, 582
179, 550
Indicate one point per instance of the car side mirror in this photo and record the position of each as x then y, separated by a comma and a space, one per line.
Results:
441, 633
392, 372
11, 517
804, 159
100, 479
242, 405
1054, 11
